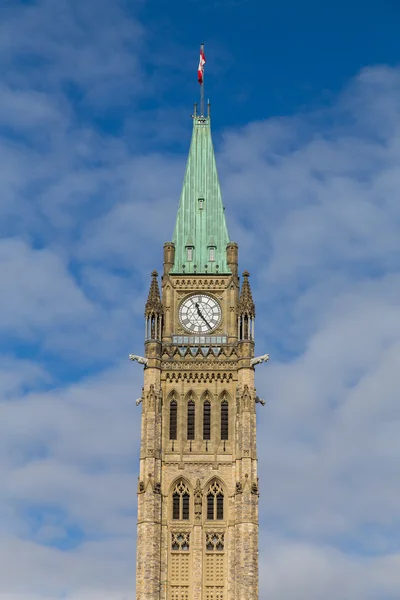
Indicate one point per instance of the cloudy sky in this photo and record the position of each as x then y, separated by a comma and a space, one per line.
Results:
95, 105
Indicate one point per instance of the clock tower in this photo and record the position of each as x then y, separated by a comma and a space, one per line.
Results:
197, 536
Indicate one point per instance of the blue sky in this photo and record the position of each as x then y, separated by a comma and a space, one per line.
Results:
95, 105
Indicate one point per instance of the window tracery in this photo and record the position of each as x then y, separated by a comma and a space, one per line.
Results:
180, 541
215, 542
180, 502
215, 502
179, 565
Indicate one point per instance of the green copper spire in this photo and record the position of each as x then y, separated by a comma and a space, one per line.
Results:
200, 234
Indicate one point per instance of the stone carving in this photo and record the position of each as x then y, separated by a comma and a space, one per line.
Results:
151, 398
141, 487
157, 488
254, 488
139, 401
198, 283
180, 541
259, 359
191, 377
198, 501
260, 401
169, 351
239, 487
215, 541
181, 465
246, 397
186, 363
140, 359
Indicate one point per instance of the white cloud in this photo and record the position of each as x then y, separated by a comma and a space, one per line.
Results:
103, 567
298, 570
37, 291
97, 55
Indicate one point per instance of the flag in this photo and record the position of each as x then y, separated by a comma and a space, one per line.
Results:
202, 62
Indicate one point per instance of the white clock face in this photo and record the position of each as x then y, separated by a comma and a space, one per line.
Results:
200, 313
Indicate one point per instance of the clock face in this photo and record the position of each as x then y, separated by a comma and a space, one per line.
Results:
200, 313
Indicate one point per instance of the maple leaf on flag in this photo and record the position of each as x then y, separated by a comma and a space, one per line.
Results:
202, 62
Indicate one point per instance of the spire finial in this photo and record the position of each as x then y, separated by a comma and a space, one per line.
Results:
246, 304
154, 304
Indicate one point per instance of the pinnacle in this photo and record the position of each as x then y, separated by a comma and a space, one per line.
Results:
246, 304
154, 304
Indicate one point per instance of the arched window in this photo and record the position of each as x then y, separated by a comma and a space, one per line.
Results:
224, 419
207, 420
215, 502
190, 419
180, 502
173, 419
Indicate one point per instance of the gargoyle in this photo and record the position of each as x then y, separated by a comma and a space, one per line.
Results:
260, 401
139, 401
141, 360
259, 359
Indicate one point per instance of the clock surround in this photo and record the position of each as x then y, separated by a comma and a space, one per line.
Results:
200, 313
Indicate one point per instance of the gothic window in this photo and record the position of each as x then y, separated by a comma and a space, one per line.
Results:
224, 419
190, 419
212, 253
215, 502
201, 203
180, 502
173, 419
206, 420
189, 250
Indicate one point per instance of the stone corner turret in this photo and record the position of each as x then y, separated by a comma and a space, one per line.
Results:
153, 315
246, 311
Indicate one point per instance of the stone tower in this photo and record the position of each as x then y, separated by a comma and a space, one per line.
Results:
197, 536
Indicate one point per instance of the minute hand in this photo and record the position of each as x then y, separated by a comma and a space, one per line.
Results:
201, 315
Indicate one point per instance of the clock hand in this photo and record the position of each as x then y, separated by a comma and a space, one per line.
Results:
201, 315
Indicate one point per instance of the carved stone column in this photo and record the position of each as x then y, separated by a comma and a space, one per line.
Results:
197, 558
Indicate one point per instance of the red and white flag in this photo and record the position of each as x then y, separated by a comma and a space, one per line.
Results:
202, 62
